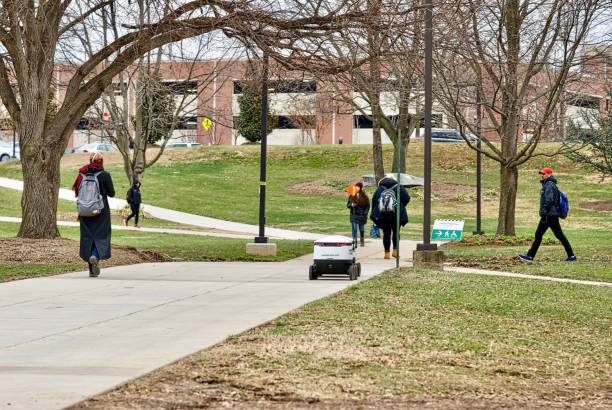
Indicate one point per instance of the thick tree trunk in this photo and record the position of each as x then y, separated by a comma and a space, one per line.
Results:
41, 182
507, 200
377, 151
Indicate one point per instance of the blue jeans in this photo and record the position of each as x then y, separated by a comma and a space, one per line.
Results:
94, 252
355, 226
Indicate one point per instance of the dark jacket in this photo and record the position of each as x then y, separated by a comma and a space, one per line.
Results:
133, 196
97, 229
359, 213
376, 216
549, 197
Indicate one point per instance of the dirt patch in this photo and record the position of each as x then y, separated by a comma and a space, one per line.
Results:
78, 160
485, 240
597, 205
322, 187
60, 251
456, 193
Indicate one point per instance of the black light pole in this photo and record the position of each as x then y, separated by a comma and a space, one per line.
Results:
264, 141
427, 245
398, 199
479, 230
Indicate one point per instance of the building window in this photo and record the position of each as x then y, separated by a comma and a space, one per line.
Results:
583, 101
89, 123
436, 121
294, 86
187, 123
118, 88
284, 86
182, 87
237, 87
362, 122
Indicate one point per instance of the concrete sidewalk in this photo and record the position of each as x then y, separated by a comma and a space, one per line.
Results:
69, 337
182, 217
487, 272
216, 234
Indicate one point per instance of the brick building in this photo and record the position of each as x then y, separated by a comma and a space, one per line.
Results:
307, 113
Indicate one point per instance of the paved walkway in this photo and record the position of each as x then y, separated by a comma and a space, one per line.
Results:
523, 276
182, 217
216, 234
68, 337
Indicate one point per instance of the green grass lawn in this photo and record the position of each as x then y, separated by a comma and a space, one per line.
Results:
402, 340
10, 205
306, 187
594, 250
306, 191
179, 247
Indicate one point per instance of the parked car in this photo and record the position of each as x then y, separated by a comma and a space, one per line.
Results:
183, 145
6, 152
447, 135
95, 147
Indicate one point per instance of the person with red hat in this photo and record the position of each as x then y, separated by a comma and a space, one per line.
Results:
359, 206
549, 217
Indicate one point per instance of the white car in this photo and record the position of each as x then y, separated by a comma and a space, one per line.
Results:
183, 145
6, 152
95, 147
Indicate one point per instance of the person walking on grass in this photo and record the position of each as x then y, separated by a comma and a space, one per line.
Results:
134, 199
95, 220
384, 212
549, 217
359, 206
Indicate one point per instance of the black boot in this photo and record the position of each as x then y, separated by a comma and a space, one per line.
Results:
362, 242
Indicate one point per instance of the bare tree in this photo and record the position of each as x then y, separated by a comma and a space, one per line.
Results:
30, 33
518, 57
313, 116
384, 89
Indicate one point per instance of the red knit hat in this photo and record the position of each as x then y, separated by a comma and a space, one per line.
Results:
359, 184
546, 171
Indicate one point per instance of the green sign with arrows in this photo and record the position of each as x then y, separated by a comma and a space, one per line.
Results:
447, 230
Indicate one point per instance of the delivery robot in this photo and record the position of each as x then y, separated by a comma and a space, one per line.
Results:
335, 255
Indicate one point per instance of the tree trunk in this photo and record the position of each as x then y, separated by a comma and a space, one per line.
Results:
507, 201
377, 151
374, 47
403, 153
41, 182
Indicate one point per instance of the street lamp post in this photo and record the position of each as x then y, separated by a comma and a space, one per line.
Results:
427, 245
479, 230
398, 197
264, 147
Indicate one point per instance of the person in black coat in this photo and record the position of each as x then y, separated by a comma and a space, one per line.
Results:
549, 217
96, 230
134, 199
359, 206
386, 220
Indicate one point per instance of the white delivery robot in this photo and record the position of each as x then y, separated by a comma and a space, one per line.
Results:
335, 255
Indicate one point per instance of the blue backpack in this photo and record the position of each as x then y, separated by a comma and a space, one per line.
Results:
562, 205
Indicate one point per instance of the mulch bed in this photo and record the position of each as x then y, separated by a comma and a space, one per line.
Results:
59, 251
597, 205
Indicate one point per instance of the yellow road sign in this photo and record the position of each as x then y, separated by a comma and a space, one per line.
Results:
206, 123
